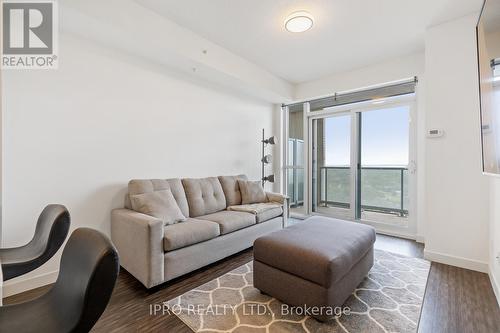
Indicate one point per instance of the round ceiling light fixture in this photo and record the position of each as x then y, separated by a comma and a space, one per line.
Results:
299, 22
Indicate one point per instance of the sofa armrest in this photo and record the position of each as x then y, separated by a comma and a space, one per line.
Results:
276, 197
139, 241
284, 200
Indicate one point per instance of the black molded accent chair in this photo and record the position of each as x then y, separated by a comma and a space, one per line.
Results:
51, 230
87, 275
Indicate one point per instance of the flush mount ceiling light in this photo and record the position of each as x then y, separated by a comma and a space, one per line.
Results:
299, 22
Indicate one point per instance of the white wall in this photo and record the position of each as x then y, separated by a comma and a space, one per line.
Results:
172, 45
387, 71
457, 199
78, 134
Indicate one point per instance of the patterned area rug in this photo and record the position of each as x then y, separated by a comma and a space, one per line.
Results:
388, 300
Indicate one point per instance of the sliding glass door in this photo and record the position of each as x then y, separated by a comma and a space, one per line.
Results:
295, 174
384, 160
331, 165
294, 164
359, 163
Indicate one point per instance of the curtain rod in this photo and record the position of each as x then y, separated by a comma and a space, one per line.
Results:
337, 94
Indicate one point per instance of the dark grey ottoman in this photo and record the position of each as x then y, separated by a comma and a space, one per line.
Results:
317, 263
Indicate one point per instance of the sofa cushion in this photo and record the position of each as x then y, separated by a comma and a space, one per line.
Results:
269, 214
251, 192
204, 196
231, 189
263, 211
160, 204
139, 186
189, 232
230, 221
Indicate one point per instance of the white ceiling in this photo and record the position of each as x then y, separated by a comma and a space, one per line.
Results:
347, 34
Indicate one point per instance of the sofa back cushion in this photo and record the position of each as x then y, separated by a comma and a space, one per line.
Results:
204, 196
232, 189
140, 186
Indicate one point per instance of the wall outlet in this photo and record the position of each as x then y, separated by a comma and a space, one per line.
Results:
498, 257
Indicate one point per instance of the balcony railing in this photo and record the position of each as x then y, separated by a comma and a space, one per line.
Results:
383, 189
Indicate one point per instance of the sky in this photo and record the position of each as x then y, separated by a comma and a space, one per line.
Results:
384, 138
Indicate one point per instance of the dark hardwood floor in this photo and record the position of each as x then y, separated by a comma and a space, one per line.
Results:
456, 300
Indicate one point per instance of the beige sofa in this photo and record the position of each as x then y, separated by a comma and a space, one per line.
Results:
155, 253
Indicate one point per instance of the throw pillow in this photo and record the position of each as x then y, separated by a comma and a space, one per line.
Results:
160, 204
251, 192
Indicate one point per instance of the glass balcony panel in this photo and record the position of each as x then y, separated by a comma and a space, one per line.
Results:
290, 192
300, 183
384, 190
338, 186
299, 153
291, 151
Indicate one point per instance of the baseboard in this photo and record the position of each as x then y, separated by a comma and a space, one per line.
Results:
420, 239
496, 286
395, 234
466, 263
16, 286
